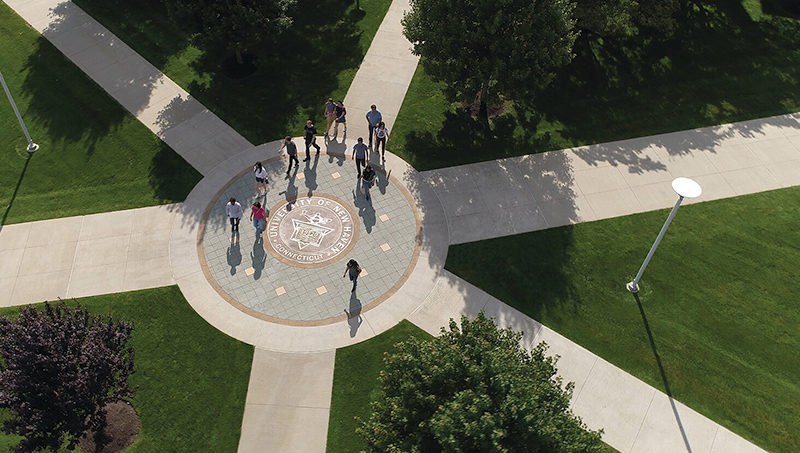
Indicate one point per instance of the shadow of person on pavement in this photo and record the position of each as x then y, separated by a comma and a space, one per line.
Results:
258, 258
336, 151
234, 253
354, 315
365, 209
310, 173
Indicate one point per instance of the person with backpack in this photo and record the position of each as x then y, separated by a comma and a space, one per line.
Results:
261, 179
353, 269
367, 179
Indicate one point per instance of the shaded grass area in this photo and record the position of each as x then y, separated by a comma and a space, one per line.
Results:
92, 150
315, 59
355, 384
719, 300
728, 61
192, 378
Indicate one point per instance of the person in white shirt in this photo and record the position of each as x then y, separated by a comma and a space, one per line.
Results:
261, 179
234, 211
381, 134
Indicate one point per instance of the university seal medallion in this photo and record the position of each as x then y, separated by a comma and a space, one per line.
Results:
311, 232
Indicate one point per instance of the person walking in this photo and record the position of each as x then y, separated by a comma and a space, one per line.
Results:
234, 212
261, 179
354, 270
291, 150
373, 119
341, 117
311, 139
360, 154
367, 180
330, 115
381, 135
257, 216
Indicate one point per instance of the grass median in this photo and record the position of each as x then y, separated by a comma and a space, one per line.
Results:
317, 58
93, 157
192, 378
718, 313
727, 62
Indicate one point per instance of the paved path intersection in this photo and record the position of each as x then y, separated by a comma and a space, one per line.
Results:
289, 395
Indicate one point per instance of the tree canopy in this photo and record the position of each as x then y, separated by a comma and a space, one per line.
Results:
236, 24
60, 367
491, 50
474, 389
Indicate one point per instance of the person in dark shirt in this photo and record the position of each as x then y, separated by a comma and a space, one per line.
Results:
311, 139
291, 150
367, 180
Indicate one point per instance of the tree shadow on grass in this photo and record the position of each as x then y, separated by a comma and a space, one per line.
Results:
295, 74
702, 76
65, 102
170, 176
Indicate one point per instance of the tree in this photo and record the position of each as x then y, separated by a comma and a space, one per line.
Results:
236, 24
622, 18
488, 50
60, 367
474, 390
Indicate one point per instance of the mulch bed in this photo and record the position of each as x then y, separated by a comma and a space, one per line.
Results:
122, 429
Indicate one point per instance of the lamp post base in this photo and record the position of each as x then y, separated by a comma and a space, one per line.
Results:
632, 287
32, 148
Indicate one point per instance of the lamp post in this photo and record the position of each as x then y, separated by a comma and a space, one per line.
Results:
685, 188
32, 147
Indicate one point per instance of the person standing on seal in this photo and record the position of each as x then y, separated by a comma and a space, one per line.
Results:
234, 211
381, 134
257, 216
311, 139
360, 154
353, 269
341, 117
261, 179
330, 106
373, 119
291, 150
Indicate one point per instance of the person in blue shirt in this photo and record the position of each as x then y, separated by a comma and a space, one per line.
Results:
373, 119
360, 154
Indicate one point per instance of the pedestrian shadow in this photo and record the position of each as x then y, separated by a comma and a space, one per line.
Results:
310, 173
234, 254
336, 151
365, 209
354, 315
258, 258
663, 374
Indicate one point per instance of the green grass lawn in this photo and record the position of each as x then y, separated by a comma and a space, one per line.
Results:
718, 302
355, 384
316, 58
192, 378
92, 150
734, 62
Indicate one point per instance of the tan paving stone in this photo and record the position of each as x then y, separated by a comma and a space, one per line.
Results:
96, 252
92, 281
48, 258
35, 288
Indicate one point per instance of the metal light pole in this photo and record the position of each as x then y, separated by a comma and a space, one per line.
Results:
685, 188
32, 147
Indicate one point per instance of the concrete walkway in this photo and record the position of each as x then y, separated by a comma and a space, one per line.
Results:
534, 192
86, 255
289, 392
195, 133
384, 75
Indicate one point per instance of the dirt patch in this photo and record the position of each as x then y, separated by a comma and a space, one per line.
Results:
123, 427
493, 110
231, 67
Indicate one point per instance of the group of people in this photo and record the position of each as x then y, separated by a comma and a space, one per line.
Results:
337, 114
